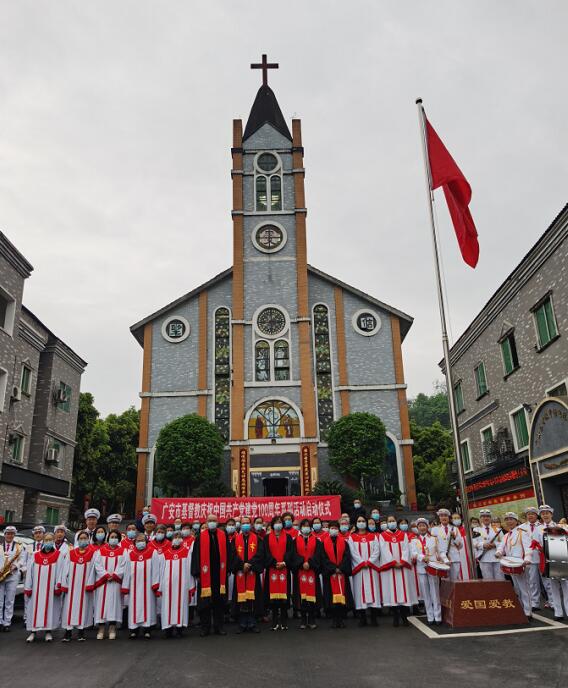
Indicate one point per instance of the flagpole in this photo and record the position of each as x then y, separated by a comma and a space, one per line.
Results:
445, 341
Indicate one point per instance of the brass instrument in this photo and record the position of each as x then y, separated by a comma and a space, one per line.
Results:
7, 568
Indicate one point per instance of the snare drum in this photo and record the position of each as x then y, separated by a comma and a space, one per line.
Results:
513, 566
556, 555
437, 568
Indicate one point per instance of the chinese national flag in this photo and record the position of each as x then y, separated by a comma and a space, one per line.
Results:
447, 174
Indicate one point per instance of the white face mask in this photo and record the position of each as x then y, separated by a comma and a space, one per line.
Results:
457, 521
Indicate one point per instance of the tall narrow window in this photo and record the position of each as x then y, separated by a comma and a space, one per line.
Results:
261, 200
458, 396
222, 371
275, 192
480, 380
520, 429
324, 383
545, 323
281, 360
465, 456
26, 379
509, 353
262, 361
487, 444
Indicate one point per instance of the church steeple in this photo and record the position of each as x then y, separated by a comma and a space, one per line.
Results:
265, 109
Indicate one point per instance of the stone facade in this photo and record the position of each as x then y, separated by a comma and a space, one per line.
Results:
37, 420
499, 472
361, 365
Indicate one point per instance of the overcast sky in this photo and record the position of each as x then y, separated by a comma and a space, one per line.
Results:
115, 135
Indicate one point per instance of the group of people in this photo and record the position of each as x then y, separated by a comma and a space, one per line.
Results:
166, 575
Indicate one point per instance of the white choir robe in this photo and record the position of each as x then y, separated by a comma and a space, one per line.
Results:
423, 549
365, 580
77, 584
177, 587
140, 582
397, 584
109, 571
42, 587
417, 588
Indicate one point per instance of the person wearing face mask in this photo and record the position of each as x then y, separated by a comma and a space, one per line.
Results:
372, 527
450, 542
188, 534
318, 529
113, 524
404, 526
12, 561
485, 546
336, 572
423, 549
196, 527
129, 542
278, 562
358, 510
288, 521
160, 543
464, 554
210, 564
99, 537
258, 527
109, 562
140, 582
398, 581
383, 524
59, 533
248, 564
366, 565
42, 587
77, 585
344, 527
170, 530
376, 516
176, 587
307, 564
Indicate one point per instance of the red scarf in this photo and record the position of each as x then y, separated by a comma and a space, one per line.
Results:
246, 581
277, 578
337, 580
205, 563
307, 578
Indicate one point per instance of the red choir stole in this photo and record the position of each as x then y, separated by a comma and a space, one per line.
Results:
45, 559
395, 539
306, 579
205, 563
337, 580
277, 578
245, 582
109, 552
82, 557
160, 547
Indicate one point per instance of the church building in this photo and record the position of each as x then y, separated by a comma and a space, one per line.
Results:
273, 350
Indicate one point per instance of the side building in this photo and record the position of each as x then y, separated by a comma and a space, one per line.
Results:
40, 378
512, 356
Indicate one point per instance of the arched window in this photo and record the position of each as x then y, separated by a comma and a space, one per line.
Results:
261, 198
222, 370
324, 383
281, 360
275, 192
273, 420
262, 361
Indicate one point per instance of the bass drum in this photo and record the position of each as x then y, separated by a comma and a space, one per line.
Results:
556, 556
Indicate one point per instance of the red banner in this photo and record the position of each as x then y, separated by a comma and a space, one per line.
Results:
188, 508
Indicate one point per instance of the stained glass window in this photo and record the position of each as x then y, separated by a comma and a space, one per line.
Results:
273, 420
262, 361
281, 360
261, 193
324, 384
222, 371
275, 192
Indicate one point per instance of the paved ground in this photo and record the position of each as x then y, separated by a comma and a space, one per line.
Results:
366, 657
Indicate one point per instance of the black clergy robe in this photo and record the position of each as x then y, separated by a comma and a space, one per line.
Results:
329, 569
270, 562
255, 606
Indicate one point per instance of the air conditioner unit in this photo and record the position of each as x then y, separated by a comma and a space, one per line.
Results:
16, 393
52, 455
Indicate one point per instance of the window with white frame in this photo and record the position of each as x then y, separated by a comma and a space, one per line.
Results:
268, 182
465, 456
7, 311
520, 428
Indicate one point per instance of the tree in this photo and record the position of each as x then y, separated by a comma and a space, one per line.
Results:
426, 409
189, 456
357, 446
336, 487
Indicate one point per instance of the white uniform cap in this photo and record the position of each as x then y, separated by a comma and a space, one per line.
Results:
531, 510
60, 527
443, 512
422, 520
10, 529
149, 517
114, 518
485, 512
511, 514
38, 529
545, 507
93, 512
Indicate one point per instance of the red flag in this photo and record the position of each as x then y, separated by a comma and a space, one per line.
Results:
447, 174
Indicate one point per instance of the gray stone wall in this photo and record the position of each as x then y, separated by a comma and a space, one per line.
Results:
12, 499
538, 371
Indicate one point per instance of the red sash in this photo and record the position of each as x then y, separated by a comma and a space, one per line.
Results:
205, 563
246, 582
307, 578
337, 580
277, 578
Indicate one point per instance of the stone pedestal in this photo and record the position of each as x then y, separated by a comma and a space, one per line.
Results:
466, 604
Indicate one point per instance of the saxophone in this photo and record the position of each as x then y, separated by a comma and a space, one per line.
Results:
7, 568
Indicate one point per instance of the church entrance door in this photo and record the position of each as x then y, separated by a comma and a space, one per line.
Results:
275, 487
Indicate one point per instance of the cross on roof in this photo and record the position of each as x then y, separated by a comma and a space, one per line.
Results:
265, 66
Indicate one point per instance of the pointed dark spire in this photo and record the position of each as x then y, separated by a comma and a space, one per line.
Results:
265, 110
